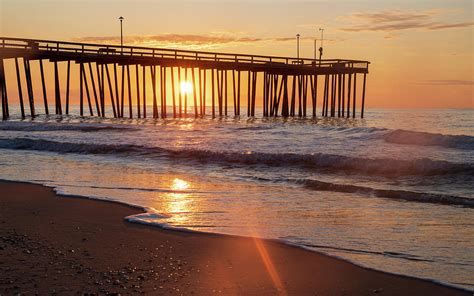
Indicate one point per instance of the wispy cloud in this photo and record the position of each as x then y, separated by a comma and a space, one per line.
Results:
191, 41
393, 21
447, 82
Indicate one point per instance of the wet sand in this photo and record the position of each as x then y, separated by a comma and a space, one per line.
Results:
52, 244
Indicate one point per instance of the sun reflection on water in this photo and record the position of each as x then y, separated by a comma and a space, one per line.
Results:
179, 184
178, 202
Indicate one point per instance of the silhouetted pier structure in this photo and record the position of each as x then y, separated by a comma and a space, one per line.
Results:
104, 75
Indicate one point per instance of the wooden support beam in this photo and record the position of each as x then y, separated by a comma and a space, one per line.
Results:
3, 90
43, 84
117, 98
300, 94
220, 80
314, 92
333, 95
293, 96
339, 94
343, 102
204, 87
102, 89
161, 91
111, 91
254, 92
179, 92
284, 111
130, 105
268, 94
153, 82
271, 94
96, 99
238, 93
265, 94
234, 92
277, 103
196, 114
186, 94
137, 82
363, 96
225, 93
81, 90
164, 113
68, 77
87, 90
275, 95
144, 91
122, 92
326, 96
305, 94
200, 91
213, 94
354, 96
249, 90
173, 93
57, 88
349, 96
204, 97
20, 91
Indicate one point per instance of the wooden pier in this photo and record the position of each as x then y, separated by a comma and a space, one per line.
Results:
105, 84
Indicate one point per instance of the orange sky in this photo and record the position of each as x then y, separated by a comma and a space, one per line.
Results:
422, 53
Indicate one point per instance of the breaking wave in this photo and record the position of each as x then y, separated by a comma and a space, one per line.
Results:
318, 161
428, 139
386, 193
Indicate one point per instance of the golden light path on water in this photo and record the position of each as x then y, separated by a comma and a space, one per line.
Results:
177, 202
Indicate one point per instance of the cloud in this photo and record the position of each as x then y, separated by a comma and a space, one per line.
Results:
393, 21
450, 26
448, 82
190, 41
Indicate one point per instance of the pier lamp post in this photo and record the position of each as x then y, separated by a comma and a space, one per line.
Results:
298, 47
121, 34
321, 48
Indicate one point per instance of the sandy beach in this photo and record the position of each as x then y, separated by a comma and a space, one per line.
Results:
52, 244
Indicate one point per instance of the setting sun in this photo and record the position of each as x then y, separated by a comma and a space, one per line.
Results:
186, 87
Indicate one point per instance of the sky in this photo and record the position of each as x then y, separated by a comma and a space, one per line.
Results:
421, 52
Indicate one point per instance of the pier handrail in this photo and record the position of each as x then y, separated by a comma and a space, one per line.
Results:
140, 51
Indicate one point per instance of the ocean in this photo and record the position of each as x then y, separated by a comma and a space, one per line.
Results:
393, 191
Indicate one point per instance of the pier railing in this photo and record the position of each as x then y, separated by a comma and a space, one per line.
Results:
139, 51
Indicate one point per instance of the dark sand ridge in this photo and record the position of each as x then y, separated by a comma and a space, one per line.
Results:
69, 245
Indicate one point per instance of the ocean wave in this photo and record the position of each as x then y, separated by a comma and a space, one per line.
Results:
386, 193
428, 139
318, 161
28, 127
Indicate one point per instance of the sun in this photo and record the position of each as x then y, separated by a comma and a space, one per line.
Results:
186, 87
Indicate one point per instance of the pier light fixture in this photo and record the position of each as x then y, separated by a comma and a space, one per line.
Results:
298, 47
121, 33
321, 48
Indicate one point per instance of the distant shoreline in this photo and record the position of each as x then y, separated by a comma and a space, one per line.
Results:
63, 246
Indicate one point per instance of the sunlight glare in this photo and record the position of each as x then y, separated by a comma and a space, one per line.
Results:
186, 87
